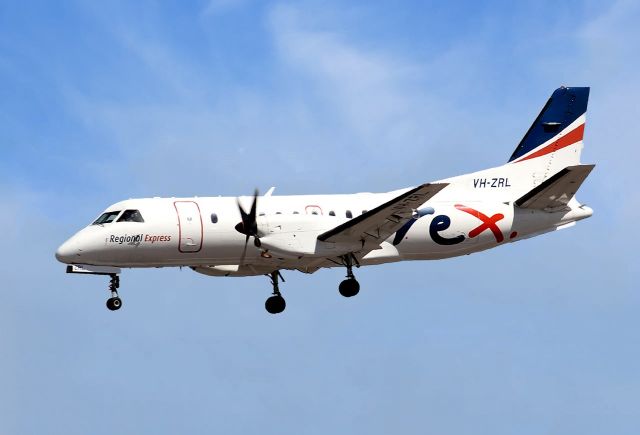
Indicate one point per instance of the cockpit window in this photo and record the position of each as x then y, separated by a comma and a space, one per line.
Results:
131, 216
106, 218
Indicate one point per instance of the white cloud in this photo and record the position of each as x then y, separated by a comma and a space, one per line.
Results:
611, 42
333, 99
373, 92
394, 105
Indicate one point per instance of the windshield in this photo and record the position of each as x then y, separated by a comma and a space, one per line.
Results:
131, 216
106, 217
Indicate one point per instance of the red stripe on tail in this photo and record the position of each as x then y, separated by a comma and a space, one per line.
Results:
570, 138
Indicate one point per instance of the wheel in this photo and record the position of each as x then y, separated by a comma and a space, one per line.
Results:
114, 303
349, 287
275, 304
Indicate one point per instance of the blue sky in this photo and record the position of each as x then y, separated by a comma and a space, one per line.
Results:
100, 102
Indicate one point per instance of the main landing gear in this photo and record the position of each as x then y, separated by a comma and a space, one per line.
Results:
275, 304
114, 302
350, 286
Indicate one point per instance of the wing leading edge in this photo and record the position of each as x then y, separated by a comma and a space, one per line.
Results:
378, 224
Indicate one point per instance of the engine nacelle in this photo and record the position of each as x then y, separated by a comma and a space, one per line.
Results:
294, 236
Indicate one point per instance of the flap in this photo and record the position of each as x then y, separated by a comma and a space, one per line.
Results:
557, 191
381, 222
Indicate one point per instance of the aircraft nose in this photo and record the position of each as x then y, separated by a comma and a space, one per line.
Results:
67, 252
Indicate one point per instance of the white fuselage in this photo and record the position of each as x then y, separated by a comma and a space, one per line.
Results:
200, 232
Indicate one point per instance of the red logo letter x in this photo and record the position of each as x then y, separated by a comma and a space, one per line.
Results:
488, 223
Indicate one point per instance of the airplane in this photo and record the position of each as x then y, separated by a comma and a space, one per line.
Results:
532, 194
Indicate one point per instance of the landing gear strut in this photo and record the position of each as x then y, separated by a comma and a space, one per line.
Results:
350, 286
275, 304
114, 302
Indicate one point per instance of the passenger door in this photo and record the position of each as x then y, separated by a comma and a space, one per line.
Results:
189, 226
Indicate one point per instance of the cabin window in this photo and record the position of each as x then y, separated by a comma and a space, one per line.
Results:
106, 218
214, 218
332, 213
314, 212
295, 212
131, 216
349, 214
278, 212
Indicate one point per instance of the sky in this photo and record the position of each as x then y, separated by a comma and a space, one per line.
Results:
103, 101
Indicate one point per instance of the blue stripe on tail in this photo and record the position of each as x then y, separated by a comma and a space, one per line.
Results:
564, 107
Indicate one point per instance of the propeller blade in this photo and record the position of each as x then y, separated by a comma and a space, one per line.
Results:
252, 213
249, 224
243, 214
244, 251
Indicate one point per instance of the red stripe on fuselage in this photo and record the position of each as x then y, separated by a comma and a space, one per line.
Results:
570, 138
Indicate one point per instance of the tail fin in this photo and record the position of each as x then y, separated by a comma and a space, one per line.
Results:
559, 126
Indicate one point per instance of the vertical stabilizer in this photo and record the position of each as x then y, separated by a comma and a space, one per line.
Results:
559, 128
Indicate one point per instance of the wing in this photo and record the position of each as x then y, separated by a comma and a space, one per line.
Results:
556, 192
381, 222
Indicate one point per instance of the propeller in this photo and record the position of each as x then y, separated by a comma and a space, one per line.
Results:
248, 226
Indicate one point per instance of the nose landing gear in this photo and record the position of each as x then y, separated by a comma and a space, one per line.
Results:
275, 304
114, 302
350, 286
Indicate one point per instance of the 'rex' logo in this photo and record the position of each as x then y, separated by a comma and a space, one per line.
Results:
488, 223
443, 222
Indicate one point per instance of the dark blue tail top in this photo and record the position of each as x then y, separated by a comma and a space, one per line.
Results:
564, 107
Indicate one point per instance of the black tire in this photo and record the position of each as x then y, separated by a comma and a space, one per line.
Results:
114, 304
275, 304
349, 287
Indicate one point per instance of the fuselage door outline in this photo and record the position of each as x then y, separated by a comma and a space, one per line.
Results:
190, 227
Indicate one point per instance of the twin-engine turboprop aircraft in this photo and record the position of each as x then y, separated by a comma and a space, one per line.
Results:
532, 194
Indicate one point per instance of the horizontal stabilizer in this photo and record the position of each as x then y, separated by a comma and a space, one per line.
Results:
557, 191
